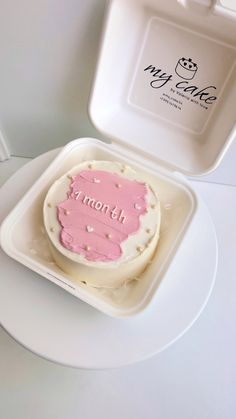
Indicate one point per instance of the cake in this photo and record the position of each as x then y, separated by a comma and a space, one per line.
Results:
102, 222
186, 68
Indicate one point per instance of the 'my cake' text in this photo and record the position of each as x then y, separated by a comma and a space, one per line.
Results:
160, 79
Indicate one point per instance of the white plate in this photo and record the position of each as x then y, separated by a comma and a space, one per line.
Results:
57, 326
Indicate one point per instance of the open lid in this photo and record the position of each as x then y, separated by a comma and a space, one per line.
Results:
165, 80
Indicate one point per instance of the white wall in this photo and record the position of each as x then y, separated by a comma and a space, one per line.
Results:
47, 59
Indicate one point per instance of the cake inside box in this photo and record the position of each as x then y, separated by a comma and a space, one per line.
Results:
102, 222
30, 243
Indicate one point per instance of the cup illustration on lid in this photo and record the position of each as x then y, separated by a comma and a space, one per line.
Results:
186, 68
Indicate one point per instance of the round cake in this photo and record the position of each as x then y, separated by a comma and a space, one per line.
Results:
102, 222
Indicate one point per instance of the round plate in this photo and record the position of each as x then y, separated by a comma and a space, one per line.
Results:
54, 324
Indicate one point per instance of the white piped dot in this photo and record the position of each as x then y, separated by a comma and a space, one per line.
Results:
33, 251
137, 206
96, 180
89, 229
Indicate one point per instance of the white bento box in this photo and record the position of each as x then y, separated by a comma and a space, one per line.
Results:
164, 94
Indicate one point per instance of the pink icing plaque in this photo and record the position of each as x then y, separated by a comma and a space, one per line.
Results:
102, 210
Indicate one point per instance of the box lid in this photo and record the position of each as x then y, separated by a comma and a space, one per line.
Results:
165, 81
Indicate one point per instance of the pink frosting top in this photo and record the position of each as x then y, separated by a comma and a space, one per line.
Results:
101, 211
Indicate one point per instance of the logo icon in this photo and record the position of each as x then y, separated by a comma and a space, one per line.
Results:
186, 68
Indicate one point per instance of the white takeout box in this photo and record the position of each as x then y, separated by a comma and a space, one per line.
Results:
164, 94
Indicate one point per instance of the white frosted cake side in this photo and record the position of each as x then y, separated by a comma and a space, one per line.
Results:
102, 222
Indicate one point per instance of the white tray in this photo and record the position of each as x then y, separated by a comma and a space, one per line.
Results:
22, 231
59, 327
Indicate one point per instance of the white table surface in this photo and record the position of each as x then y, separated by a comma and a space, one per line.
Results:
194, 378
